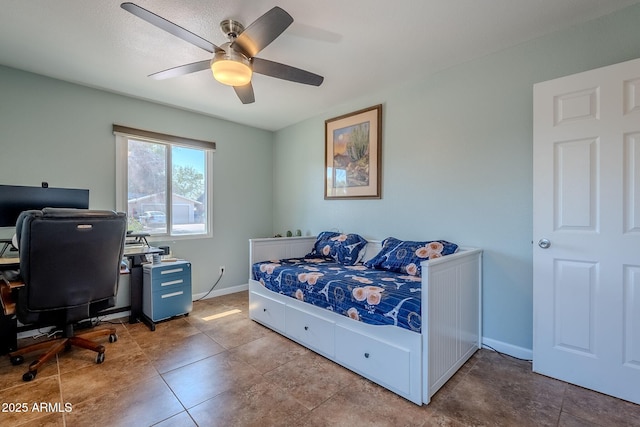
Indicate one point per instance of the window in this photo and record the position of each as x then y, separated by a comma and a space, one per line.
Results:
163, 183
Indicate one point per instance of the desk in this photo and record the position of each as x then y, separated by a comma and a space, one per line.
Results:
9, 263
138, 256
8, 322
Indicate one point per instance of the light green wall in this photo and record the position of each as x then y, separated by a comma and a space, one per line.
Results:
457, 161
61, 133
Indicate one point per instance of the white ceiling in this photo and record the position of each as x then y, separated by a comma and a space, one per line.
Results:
359, 46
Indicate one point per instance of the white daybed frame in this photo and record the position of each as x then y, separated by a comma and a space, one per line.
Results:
410, 364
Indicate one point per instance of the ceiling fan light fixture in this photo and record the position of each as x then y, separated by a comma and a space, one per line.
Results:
231, 68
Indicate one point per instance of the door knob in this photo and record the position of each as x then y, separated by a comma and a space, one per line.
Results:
544, 243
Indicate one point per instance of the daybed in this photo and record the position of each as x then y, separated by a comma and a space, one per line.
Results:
408, 349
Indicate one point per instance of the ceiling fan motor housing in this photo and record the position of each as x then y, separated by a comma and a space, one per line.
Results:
231, 28
231, 67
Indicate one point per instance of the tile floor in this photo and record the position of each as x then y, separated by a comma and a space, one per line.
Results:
218, 368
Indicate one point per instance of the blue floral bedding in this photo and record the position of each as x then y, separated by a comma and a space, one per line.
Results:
376, 297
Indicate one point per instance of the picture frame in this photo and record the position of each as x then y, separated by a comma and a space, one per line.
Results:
353, 155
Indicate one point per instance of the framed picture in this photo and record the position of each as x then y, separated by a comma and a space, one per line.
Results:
353, 163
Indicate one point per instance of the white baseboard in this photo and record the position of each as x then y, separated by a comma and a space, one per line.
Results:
510, 349
223, 291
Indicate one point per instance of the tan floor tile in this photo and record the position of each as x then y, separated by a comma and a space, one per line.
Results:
21, 398
114, 374
173, 353
311, 379
202, 380
11, 376
77, 358
439, 420
269, 352
166, 330
205, 313
600, 409
228, 370
568, 420
498, 387
363, 403
55, 419
261, 404
183, 419
238, 299
141, 404
477, 401
235, 330
514, 378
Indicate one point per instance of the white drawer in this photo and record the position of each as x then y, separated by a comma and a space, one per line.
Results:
384, 362
267, 311
310, 330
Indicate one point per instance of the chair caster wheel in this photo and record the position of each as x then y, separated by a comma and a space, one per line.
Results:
100, 358
28, 376
17, 360
113, 338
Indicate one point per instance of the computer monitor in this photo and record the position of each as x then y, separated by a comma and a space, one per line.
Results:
16, 198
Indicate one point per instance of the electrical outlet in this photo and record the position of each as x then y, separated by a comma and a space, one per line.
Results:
222, 268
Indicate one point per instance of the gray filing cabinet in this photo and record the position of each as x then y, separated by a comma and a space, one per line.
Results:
166, 289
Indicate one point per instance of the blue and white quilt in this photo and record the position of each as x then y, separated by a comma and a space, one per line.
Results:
376, 297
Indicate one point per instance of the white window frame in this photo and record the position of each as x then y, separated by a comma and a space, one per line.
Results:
123, 134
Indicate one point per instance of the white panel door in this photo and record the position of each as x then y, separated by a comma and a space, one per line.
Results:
586, 229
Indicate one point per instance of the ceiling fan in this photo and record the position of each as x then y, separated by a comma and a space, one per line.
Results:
234, 62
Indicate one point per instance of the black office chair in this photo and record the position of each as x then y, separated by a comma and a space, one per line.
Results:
70, 266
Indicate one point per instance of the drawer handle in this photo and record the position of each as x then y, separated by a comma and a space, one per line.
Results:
306, 328
366, 355
174, 294
175, 270
173, 282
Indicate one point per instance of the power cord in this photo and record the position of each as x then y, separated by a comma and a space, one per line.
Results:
504, 354
212, 287
49, 334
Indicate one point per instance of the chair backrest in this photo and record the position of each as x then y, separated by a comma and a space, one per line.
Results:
69, 259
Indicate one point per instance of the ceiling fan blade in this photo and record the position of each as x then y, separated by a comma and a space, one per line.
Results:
245, 93
181, 70
169, 27
285, 72
263, 31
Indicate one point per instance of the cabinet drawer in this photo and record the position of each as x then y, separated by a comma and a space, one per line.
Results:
313, 331
168, 303
164, 283
168, 270
266, 310
376, 359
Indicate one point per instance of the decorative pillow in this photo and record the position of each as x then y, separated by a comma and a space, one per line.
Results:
405, 257
343, 248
